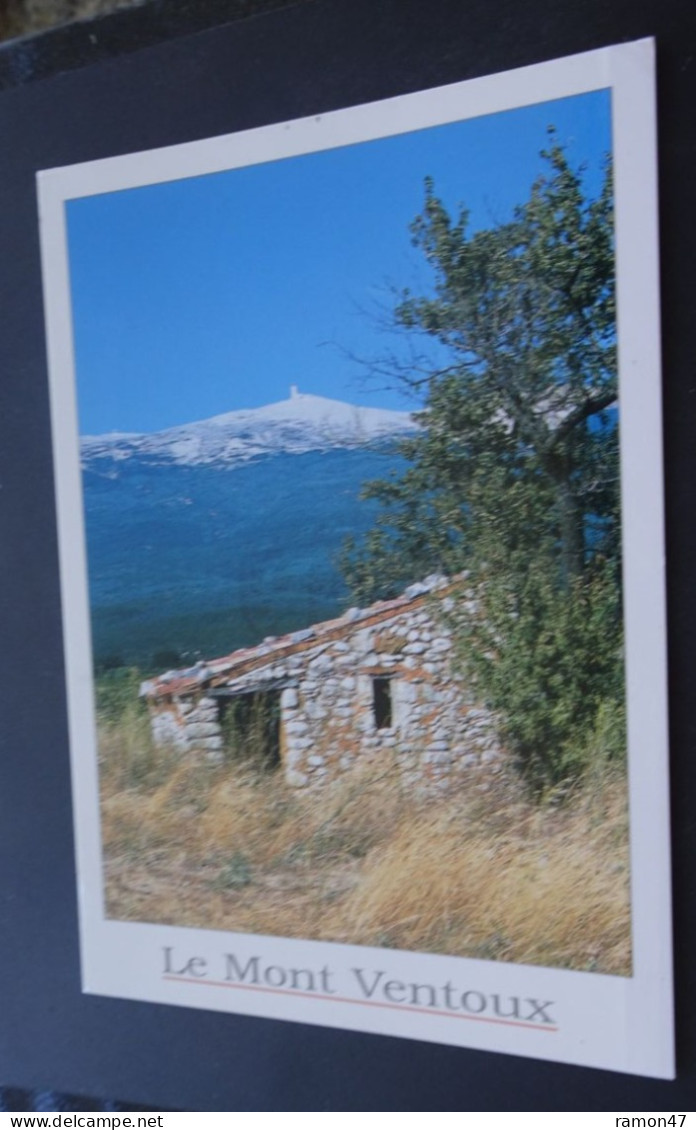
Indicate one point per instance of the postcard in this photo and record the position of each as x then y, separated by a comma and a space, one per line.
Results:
356, 423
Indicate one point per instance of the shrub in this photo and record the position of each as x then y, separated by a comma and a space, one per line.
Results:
549, 661
116, 690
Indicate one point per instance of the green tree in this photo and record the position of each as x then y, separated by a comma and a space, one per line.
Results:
513, 474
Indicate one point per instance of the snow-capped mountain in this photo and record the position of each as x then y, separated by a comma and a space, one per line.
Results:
300, 424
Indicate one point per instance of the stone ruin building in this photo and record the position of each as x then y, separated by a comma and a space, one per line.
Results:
376, 683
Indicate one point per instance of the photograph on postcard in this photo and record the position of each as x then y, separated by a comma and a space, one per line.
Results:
356, 426
349, 437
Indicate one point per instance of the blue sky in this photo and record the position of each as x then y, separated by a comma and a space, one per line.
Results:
218, 292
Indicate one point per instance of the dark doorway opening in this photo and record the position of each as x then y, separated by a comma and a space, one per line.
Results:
250, 725
382, 702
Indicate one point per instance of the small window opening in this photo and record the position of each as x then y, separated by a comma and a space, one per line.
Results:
250, 725
382, 702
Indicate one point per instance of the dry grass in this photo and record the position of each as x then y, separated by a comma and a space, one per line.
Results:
482, 873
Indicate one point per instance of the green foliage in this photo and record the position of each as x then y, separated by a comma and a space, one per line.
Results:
236, 874
116, 691
166, 659
549, 661
513, 475
128, 756
108, 663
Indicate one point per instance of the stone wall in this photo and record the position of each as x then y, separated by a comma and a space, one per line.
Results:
189, 722
435, 730
383, 689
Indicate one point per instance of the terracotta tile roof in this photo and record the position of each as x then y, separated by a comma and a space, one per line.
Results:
216, 672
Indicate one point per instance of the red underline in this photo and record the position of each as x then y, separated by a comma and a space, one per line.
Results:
353, 1000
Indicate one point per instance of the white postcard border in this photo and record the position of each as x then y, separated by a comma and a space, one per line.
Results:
625, 1024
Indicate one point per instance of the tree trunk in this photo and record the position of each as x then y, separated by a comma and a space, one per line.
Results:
570, 519
571, 529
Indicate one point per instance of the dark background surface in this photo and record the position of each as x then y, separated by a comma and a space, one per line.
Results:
136, 81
